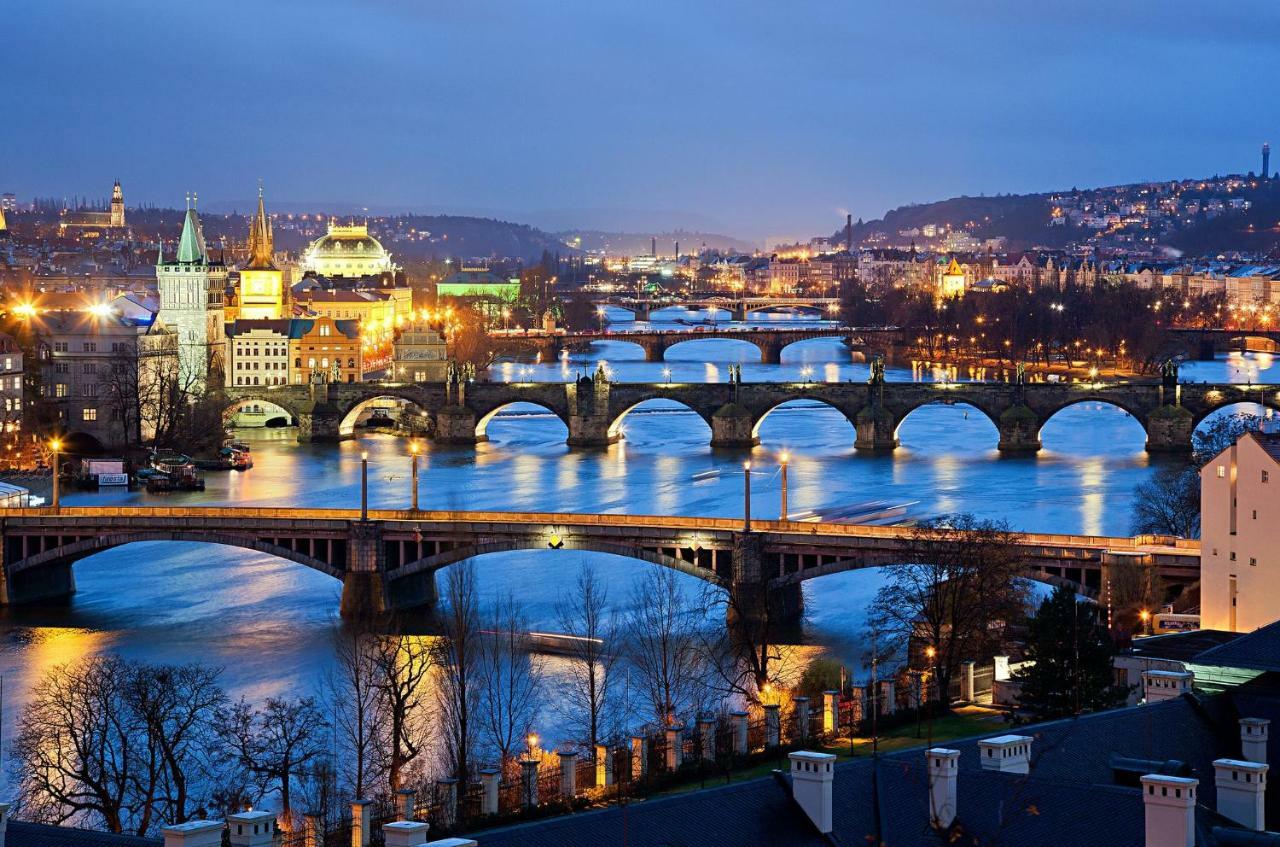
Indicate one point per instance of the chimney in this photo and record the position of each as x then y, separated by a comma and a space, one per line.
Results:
811, 777
1242, 788
1253, 739
1170, 806
943, 765
194, 834
1166, 685
405, 834
1006, 754
454, 842
252, 829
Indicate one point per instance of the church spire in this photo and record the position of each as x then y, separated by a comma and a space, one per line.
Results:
261, 244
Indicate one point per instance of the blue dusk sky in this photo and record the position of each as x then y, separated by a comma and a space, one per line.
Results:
752, 118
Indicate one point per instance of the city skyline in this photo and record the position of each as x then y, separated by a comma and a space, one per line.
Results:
576, 117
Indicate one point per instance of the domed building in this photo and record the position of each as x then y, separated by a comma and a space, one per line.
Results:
347, 251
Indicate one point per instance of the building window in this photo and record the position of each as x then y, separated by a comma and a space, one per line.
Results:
60, 390
91, 347
62, 367
1266, 477
1222, 471
1253, 561
1233, 555
90, 414
59, 346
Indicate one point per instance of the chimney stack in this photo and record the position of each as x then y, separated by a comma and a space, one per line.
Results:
194, 834
943, 767
1006, 754
811, 778
848, 233
1242, 788
405, 834
252, 829
1170, 806
1253, 739
1166, 685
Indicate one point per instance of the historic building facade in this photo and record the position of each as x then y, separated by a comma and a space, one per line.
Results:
261, 292
192, 289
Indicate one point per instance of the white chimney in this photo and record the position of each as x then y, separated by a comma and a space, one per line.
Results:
1170, 806
251, 829
811, 778
1006, 754
454, 842
194, 834
1253, 739
405, 834
943, 765
1242, 788
1166, 685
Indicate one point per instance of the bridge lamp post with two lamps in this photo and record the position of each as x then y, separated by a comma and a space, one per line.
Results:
746, 495
783, 459
413, 450
364, 486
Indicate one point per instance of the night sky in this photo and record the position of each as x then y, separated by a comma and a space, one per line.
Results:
760, 119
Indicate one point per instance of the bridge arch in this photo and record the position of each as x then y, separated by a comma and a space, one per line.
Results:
68, 554
236, 402
1249, 343
1269, 398
655, 404
431, 564
271, 410
798, 403
483, 420
349, 418
734, 339
1134, 415
949, 398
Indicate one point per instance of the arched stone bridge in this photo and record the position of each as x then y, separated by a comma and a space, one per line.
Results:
738, 307
594, 409
387, 563
768, 340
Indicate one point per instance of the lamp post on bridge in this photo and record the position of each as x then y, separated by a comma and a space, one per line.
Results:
784, 457
413, 448
364, 486
746, 491
56, 446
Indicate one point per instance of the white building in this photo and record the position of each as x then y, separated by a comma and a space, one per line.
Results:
191, 304
1240, 535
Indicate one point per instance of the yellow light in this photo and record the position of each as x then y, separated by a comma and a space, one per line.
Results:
532, 740
55, 445
413, 448
25, 309
930, 652
364, 456
784, 458
100, 310
1144, 614
746, 466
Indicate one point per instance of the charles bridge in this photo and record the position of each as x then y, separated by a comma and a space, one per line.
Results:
594, 408
387, 559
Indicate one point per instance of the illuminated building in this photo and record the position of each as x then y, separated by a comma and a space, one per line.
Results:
419, 355
261, 292
347, 251
4, 227
479, 283
113, 218
951, 283
192, 289
326, 350
258, 351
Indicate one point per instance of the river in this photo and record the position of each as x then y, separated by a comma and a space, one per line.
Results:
269, 623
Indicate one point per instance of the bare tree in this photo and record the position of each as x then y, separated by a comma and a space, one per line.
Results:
964, 582
402, 666
586, 615
359, 710
74, 752
276, 743
457, 657
1168, 503
511, 681
744, 658
663, 639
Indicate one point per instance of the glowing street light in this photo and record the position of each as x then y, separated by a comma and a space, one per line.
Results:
56, 446
600, 314
666, 375
413, 450
746, 493
783, 459
364, 486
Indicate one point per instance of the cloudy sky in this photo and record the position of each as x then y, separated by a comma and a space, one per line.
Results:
754, 118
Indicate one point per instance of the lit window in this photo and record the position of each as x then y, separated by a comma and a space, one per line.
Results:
1222, 471
90, 414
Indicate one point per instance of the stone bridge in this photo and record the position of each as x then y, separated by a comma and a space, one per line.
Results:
769, 341
738, 307
387, 562
594, 409
1205, 343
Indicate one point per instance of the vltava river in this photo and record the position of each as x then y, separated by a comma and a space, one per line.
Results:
270, 622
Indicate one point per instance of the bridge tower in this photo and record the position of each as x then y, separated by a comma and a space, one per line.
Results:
589, 416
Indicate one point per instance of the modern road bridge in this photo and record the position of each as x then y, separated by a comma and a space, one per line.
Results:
387, 561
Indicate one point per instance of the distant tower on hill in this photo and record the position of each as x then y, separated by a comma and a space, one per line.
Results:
1266, 161
117, 206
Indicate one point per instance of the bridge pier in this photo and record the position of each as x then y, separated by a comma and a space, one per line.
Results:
590, 431
1019, 430
731, 427
770, 352
364, 595
1169, 430
456, 425
654, 351
54, 581
413, 596
320, 425
755, 608
877, 430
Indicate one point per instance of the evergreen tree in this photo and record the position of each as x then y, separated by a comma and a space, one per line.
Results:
1069, 660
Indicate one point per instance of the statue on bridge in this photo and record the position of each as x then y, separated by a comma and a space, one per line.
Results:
1169, 373
877, 370
1020, 375
601, 375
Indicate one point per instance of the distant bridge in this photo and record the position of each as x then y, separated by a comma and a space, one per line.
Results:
1204, 343
655, 343
388, 562
738, 307
594, 409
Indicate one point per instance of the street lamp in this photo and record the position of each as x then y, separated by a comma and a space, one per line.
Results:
666, 375
56, 446
364, 486
506, 316
600, 314
746, 493
783, 458
1146, 621
413, 449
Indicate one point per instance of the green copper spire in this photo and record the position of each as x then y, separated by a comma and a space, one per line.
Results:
159, 250
191, 249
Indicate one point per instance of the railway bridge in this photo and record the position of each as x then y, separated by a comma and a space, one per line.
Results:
387, 559
594, 409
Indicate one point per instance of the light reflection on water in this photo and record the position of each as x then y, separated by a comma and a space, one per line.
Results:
270, 623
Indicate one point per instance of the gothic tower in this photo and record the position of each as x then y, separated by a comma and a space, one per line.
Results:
261, 282
191, 304
117, 206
